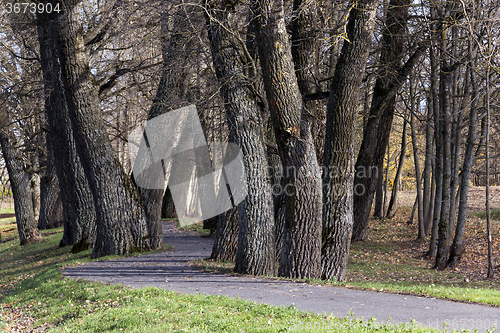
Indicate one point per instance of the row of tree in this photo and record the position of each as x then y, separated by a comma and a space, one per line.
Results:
308, 90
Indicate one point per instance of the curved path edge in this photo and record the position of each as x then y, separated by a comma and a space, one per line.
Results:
170, 270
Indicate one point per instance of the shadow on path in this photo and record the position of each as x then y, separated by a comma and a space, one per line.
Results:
169, 270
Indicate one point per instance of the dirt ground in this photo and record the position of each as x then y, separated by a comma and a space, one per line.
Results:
476, 202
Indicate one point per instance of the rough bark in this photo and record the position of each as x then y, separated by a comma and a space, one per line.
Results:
306, 54
121, 224
256, 250
390, 78
300, 256
20, 184
51, 212
338, 158
445, 129
226, 236
77, 199
438, 159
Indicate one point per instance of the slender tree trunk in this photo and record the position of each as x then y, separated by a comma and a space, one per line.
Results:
421, 227
386, 180
491, 268
438, 163
456, 131
445, 128
256, 249
21, 189
300, 256
427, 191
391, 76
458, 249
338, 159
35, 182
379, 195
391, 210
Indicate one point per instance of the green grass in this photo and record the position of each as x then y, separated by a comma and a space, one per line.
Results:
195, 227
391, 261
494, 213
32, 284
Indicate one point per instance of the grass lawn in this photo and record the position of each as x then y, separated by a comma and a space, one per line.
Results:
35, 297
392, 261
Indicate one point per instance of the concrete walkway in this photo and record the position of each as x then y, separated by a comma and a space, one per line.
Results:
169, 270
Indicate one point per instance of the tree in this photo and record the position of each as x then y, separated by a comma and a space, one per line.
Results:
391, 210
338, 159
300, 256
20, 184
256, 250
77, 198
390, 78
120, 219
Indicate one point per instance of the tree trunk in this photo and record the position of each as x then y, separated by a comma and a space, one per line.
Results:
379, 195
226, 236
391, 77
306, 53
168, 207
421, 227
300, 256
491, 268
427, 202
338, 159
153, 198
457, 248
256, 250
51, 214
438, 160
391, 210
445, 151
77, 199
121, 223
21, 188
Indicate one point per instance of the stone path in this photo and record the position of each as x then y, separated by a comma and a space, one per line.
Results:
169, 270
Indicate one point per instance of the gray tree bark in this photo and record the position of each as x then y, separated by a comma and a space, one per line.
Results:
338, 158
256, 250
121, 223
20, 185
300, 257
77, 198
